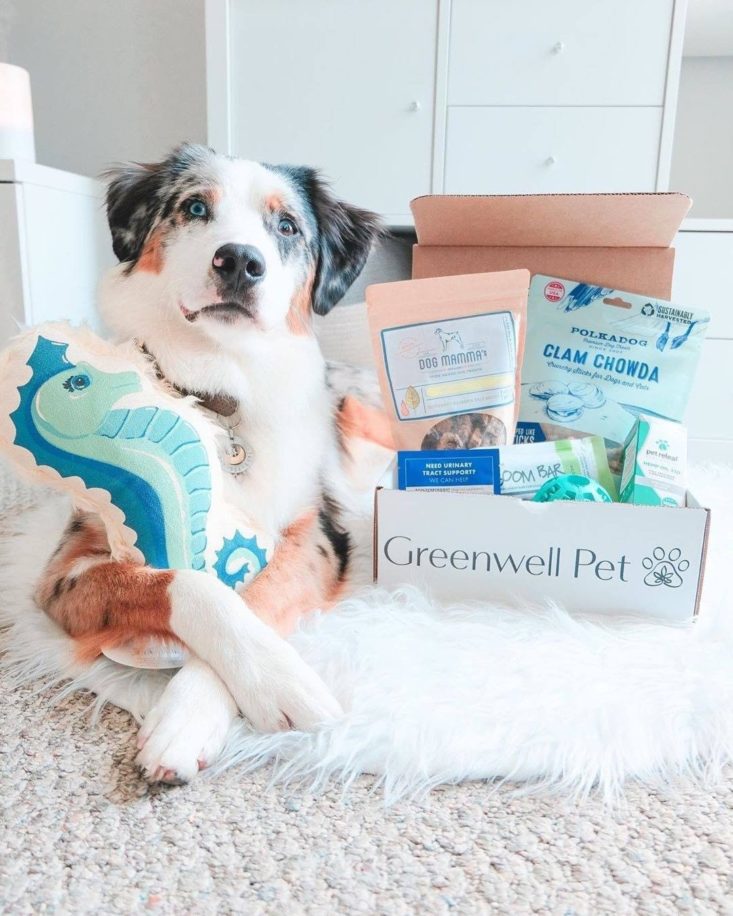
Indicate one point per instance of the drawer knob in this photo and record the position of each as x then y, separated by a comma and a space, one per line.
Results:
414, 106
558, 47
551, 160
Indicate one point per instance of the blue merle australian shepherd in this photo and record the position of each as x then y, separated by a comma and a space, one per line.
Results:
222, 263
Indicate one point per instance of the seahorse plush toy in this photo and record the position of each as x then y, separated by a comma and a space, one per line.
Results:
88, 418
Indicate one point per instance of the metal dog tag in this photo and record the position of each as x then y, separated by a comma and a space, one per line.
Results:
237, 456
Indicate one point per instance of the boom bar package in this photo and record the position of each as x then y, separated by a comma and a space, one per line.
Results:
526, 468
449, 354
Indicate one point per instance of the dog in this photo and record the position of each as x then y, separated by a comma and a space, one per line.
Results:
446, 337
222, 263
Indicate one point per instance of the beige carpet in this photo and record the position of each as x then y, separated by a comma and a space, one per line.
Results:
81, 833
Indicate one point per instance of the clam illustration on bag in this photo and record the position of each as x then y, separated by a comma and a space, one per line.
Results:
83, 416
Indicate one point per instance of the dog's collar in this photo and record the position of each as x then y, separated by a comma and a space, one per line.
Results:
238, 455
223, 405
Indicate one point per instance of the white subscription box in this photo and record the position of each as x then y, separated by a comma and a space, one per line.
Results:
588, 557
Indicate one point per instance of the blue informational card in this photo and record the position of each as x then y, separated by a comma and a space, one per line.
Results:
473, 470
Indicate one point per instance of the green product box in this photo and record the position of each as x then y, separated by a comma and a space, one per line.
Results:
655, 463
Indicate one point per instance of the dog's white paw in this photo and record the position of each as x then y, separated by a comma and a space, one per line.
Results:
176, 743
185, 731
271, 684
287, 694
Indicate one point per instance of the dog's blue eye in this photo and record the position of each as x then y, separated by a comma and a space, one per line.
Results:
286, 226
197, 208
77, 382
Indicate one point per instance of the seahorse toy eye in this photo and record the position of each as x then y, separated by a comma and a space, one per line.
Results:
87, 418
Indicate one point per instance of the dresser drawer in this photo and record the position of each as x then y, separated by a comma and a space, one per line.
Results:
703, 277
545, 150
535, 52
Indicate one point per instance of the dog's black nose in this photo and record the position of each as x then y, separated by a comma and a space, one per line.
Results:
239, 265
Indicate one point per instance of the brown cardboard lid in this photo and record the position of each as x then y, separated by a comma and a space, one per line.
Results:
550, 220
647, 271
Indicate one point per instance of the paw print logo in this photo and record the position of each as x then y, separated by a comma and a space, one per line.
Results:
665, 568
662, 445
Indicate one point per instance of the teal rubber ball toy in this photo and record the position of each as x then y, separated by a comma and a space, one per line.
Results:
572, 487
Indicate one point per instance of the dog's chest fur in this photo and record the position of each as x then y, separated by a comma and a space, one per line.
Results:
286, 417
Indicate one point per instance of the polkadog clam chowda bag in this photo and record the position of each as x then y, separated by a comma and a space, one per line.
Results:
87, 418
596, 358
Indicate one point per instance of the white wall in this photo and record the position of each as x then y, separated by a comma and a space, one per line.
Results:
111, 79
702, 161
709, 28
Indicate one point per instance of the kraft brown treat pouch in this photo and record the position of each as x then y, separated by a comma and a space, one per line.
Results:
449, 357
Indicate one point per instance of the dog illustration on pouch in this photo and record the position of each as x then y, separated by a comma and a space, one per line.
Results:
448, 337
222, 263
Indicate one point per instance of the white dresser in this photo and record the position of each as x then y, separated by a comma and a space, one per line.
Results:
563, 96
397, 98
54, 244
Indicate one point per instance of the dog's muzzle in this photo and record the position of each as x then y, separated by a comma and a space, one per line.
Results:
237, 270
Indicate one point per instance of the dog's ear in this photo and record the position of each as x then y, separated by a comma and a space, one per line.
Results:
346, 235
343, 238
132, 206
139, 193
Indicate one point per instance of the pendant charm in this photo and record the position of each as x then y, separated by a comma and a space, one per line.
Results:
237, 456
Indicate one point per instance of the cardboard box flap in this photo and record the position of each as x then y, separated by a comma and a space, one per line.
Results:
550, 220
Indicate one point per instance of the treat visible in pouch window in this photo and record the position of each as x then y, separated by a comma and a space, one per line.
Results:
449, 354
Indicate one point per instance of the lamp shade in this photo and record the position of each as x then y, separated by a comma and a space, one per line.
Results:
16, 114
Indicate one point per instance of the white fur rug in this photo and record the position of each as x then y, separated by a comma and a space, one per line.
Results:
439, 694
